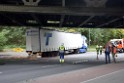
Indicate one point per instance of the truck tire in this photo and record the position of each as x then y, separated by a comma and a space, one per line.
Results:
76, 51
44, 54
50, 54
55, 53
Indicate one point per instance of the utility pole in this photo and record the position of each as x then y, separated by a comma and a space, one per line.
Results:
89, 36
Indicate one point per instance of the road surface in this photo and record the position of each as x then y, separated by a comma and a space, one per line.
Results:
27, 70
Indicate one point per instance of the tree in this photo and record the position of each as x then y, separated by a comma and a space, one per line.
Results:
3, 38
16, 35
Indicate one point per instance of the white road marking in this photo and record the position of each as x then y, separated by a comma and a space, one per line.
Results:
80, 61
48, 66
102, 76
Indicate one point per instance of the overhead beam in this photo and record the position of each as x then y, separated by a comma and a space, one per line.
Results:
95, 3
108, 22
36, 18
61, 20
12, 19
119, 26
63, 10
87, 20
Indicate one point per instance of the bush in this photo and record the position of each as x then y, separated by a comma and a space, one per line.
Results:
3, 39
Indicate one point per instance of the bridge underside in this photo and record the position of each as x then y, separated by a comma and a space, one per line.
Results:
63, 13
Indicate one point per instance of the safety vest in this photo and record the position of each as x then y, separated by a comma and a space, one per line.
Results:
97, 47
114, 49
61, 48
100, 47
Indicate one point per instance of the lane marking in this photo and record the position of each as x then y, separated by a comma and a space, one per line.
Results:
80, 61
102, 76
48, 66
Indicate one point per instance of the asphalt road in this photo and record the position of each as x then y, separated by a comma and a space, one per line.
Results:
22, 70
114, 77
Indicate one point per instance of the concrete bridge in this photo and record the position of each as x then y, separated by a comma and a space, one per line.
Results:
63, 13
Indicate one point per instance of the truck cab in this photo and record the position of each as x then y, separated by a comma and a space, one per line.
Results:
119, 43
84, 47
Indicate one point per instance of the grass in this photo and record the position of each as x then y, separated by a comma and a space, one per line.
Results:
92, 48
14, 46
10, 47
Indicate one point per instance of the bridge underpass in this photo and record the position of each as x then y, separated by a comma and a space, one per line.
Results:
63, 13
60, 13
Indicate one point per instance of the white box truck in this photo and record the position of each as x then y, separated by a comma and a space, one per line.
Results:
46, 42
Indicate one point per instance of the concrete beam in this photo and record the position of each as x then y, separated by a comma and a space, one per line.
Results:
12, 19
36, 18
61, 20
95, 3
63, 10
102, 25
86, 21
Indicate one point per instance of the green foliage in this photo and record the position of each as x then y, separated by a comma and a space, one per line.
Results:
98, 35
15, 36
3, 39
12, 36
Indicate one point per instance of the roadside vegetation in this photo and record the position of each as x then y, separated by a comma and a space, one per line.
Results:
14, 37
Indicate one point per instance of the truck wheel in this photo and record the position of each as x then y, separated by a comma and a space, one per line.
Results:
76, 51
55, 53
44, 54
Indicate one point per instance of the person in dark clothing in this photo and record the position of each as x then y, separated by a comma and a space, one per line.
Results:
114, 52
97, 51
107, 53
100, 49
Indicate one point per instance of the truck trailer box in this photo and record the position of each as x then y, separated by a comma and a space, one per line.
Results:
45, 40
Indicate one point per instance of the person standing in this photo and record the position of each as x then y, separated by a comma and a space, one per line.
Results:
61, 53
97, 51
114, 51
100, 49
107, 53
